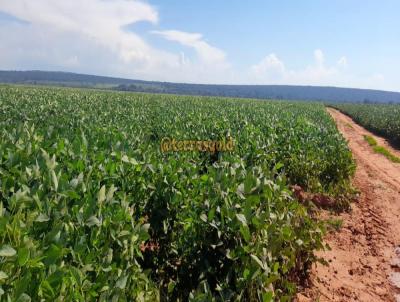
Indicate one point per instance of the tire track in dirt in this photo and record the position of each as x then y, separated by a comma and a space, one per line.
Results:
363, 259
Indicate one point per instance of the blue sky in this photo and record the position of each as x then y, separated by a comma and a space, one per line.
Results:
334, 43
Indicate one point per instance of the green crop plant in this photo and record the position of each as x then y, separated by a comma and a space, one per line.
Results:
382, 119
92, 210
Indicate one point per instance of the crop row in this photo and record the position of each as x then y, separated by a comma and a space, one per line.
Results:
92, 210
381, 119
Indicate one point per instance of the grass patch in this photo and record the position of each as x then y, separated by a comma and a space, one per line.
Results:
381, 150
371, 141
334, 224
387, 154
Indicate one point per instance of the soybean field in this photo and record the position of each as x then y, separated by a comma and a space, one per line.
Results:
382, 119
91, 209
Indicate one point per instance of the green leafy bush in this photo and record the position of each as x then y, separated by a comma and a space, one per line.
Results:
91, 210
382, 119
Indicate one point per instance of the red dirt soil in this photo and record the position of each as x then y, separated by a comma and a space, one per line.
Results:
363, 265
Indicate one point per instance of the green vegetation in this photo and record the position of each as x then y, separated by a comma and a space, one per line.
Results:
381, 119
334, 225
387, 154
371, 141
380, 149
91, 210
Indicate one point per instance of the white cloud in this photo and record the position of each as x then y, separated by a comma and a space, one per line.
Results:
272, 70
319, 57
99, 21
206, 52
342, 62
210, 64
90, 36
72, 61
271, 66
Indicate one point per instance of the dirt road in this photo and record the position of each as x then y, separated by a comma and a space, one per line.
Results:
363, 261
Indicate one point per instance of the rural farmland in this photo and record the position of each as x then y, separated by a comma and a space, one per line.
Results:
199, 151
382, 119
92, 210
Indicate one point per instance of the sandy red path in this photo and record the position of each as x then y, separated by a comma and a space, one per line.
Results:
362, 257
